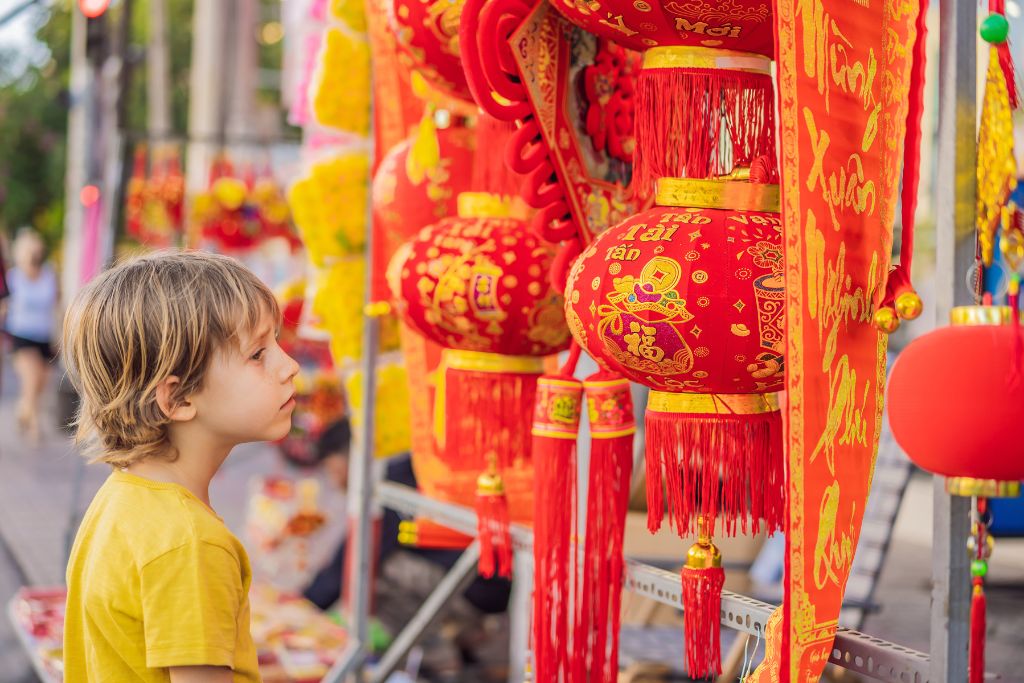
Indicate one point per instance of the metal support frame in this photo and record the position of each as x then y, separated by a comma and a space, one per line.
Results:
453, 583
955, 191
858, 652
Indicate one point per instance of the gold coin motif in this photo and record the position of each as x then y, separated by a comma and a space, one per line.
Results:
533, 288
510, 281
641, 6
615, 268
699, 276
692, 255
575, 296
703, 302
595, 283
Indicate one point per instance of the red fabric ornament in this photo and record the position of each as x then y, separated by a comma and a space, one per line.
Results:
556, 420
975, 437
689, 302
477, 284
612, 426
427, 35
727, 24
417, 184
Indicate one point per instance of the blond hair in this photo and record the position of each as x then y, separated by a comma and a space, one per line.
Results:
141, 322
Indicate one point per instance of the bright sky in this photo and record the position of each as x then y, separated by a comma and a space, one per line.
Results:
17, 33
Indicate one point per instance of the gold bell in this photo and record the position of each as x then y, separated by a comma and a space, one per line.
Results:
490, 482
909, 305
703, 554
886, 320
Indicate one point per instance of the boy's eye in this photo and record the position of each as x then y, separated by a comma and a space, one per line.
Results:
258, 355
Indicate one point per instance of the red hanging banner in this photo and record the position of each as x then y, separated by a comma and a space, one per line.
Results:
844, 82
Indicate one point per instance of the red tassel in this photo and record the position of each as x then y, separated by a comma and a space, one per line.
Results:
485, 407
724, 465
490, 172
977, 651
702, 608
555, 425
679, 118
493, 526
612, 425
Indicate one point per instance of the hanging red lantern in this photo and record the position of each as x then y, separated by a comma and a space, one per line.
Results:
418, 182
477, 284
687, 298
427, 35
689, 301
973, 438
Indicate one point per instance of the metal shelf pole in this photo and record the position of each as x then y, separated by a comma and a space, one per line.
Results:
955, 191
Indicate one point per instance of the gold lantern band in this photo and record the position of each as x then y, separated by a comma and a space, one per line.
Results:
981, 315
713, 404
717, 194
982, 488
689, 57
481, 361
490, 205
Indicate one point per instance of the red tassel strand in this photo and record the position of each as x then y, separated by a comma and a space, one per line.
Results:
679, 119
493, 527
487, 408
612, 425
702, 608
724, 466
555, 426
976, 667
490, 172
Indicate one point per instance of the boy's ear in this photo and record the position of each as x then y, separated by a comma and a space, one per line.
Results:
175, 408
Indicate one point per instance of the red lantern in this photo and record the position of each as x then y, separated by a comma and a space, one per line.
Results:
727, 24
978, 359
687, 298
690, 302
427, 35
477, 284
418, 181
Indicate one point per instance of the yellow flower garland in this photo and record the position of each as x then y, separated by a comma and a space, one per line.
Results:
329, 207
392, 434
341, 84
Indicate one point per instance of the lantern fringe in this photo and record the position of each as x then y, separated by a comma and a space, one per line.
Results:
490, 172
679, 117
554, 531
729, 466
596, 640
494, 534
702, 607
977, 649
487, 412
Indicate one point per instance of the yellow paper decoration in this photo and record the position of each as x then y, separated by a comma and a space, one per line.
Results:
997, 167
392, 431
337, 303
351, 12
329, 207
341, 83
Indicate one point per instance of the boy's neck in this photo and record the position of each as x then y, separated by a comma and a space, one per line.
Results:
194, 468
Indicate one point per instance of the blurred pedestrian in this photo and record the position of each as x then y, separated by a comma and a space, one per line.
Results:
29, 323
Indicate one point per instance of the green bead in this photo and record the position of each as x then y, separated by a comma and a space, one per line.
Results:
994, 29
979, 568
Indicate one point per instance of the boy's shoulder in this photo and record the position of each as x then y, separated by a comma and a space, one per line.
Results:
154, 518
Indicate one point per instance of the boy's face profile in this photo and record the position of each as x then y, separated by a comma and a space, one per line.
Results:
248, 392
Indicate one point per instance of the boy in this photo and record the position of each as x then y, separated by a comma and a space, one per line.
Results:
176, 360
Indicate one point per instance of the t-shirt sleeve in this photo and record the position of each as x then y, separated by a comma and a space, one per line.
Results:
191, 599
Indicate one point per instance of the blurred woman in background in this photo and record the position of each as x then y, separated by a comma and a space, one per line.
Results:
29, 323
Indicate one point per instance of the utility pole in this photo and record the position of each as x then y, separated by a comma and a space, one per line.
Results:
79, 115
205, 115
158, 74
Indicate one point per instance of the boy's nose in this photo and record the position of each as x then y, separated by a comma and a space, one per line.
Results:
292, 368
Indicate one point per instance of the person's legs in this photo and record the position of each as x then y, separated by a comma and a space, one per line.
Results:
32, 370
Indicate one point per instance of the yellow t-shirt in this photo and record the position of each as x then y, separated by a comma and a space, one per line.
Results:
155, 580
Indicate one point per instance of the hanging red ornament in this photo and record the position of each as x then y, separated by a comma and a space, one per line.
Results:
427, 36
418, 182
688, 300
477, 284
